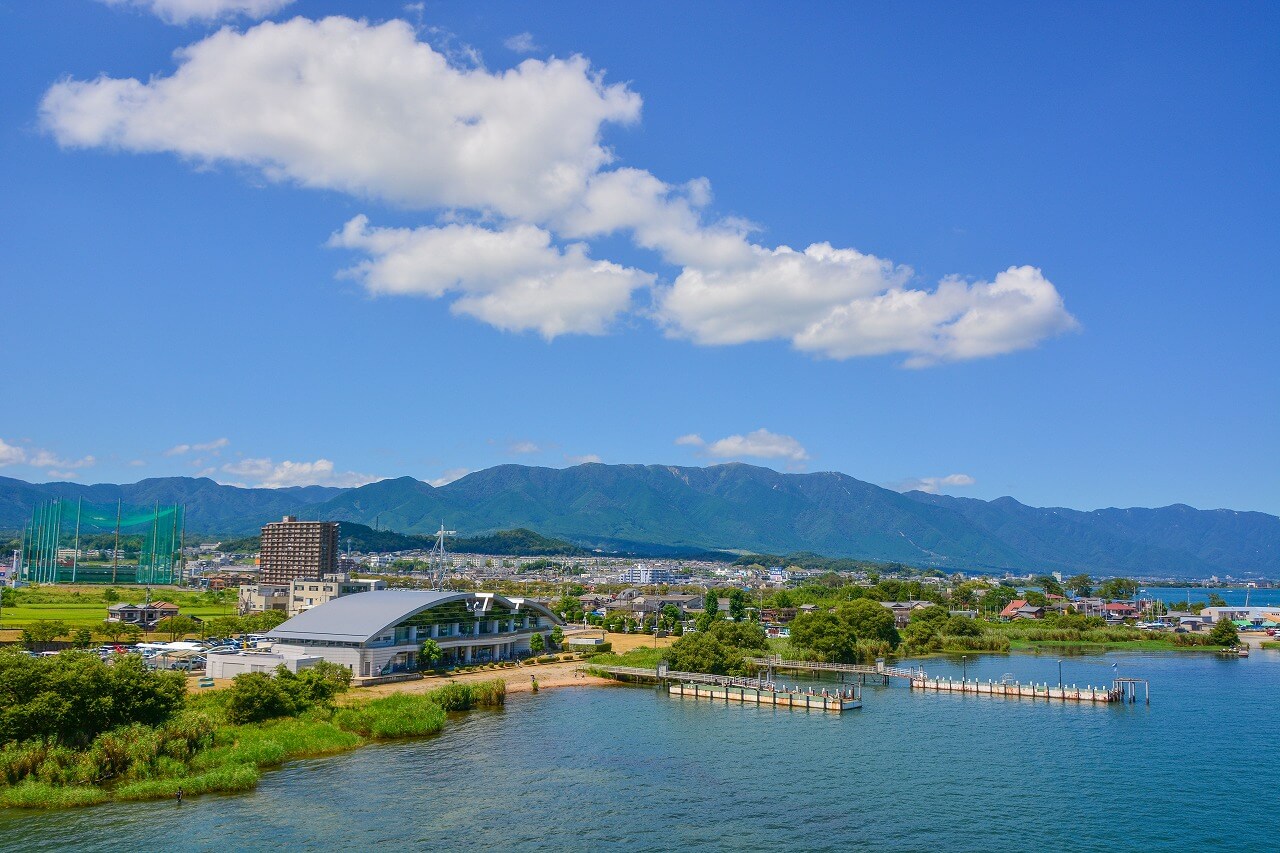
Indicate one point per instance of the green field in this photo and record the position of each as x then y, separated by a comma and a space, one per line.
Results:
85, 607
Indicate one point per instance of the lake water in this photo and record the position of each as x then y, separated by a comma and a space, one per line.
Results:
626, 767
1233, 597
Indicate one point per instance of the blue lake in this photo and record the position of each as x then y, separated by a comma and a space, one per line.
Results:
582, 768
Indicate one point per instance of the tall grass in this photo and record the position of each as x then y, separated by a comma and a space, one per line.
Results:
41, 795
394, 716
231, 778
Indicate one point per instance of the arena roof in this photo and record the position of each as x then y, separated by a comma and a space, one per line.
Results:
361, 616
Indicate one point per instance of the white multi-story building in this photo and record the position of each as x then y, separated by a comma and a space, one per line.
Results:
642, 575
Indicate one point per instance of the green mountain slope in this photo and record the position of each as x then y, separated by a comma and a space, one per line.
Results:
665, 509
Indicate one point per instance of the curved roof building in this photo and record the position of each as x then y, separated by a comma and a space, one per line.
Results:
379, 633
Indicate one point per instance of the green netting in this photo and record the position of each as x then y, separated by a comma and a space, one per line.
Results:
70, 541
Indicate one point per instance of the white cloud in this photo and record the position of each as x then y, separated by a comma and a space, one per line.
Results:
521, 43
137, 463
180, 449
523, 447
269, 474
691, 440
363, 108
46, 459
186, 11
59, 475
934, 485
512, 278
373, 111
11, 454
449, 476
761, 444
581, 460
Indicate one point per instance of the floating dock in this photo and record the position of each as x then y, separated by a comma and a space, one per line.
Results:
1121, 690
836, 701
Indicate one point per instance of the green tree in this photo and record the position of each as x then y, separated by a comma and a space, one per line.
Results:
430, 652
825, 635
1081, 585
82, 638
42, 632
869, 620
73, 697
109, 632
1216, 600
224, 626
783, 598
557, 636
1035, 598
1224, 633
256, 696
176, 626
537, 644
997, 599
1118, 588
711, 605
1049, 584
737, 605
703, 652
962, 626
110, 595
670, 616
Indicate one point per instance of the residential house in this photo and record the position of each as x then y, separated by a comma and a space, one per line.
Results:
145, 616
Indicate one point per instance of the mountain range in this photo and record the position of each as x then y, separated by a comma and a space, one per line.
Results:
736, 507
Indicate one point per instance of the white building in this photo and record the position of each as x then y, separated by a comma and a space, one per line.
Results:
379, 633
644, 575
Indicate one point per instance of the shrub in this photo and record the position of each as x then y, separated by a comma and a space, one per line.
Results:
256, 696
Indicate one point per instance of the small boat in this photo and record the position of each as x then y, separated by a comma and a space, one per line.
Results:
1243, 652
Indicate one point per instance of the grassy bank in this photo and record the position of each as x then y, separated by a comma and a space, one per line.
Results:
201, 752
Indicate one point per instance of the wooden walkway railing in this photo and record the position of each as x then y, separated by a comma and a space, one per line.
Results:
778, 663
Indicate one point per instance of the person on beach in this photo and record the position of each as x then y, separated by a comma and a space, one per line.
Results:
179, 795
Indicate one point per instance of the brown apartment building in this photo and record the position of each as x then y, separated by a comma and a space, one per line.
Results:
298, 549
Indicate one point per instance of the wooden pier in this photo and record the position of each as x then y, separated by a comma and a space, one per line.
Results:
835, 701
862, 672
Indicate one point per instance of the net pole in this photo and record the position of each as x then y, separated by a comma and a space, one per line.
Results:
182, 541
173, 536
75, 556
155, 535
115, 554
57, 541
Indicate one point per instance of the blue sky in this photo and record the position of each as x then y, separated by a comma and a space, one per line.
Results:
1030, 250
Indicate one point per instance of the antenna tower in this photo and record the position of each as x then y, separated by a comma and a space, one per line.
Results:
437, 567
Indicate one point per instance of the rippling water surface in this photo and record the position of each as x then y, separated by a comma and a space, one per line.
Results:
581, 768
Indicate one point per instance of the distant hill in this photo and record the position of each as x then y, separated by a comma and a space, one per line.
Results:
678, 511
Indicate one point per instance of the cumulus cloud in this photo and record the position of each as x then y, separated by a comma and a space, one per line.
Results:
266, 473
934, 485
11, 454
760, 444
512, 278
521, 43
691, 440
449, 476
180, 449
523, 447
366, 109
582, 459
186, 11
47, 459
373, 111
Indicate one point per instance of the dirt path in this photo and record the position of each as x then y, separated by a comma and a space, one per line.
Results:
519, 680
